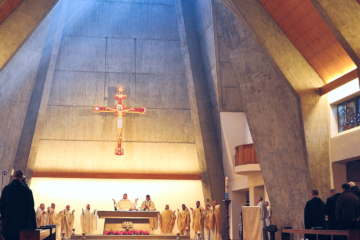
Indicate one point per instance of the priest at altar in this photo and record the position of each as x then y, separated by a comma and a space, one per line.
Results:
54, 219
41, 216
67, 221
149, 205
167, 220
183, 221
88, 220
125, 204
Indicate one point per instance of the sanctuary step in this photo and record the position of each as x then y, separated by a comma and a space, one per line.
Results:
136, 237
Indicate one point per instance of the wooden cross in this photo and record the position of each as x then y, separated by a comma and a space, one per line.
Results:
119, 111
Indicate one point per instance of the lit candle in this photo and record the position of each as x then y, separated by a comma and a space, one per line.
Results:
226, 187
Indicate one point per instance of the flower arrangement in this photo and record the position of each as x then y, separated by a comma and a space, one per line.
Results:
129, 232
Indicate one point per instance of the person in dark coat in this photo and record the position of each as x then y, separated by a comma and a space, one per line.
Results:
17, 205
314, 214
32, 218
347, 208
330, 210
354, 189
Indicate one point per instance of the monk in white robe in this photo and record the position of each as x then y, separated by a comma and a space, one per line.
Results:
54, 219
167, 220
67, 221
215, 230
149, 205
198, 220
183, 221
125, 204
88, 220
208, 222
41, 216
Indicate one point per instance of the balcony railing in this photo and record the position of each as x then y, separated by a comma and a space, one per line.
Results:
245, 154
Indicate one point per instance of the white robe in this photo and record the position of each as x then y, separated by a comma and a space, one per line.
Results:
67, 222
263, 213
125, 204
88, 221
41, 218
54, 219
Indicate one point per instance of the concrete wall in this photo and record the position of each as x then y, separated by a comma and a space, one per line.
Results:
345, 145
279, 140
104, 44
16, 80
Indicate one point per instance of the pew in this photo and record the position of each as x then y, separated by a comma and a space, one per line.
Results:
37, 234
47, 232
52, 229
351, 234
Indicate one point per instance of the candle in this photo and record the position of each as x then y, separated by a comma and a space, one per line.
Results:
226, 187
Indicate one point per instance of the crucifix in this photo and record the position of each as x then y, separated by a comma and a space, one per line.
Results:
119, 111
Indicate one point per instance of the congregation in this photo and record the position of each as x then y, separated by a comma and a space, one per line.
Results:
342, 209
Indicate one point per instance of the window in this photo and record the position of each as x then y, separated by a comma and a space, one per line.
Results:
349, 114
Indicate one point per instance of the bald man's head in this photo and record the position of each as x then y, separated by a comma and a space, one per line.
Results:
352, 184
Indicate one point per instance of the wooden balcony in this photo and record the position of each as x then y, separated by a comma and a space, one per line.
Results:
246, 161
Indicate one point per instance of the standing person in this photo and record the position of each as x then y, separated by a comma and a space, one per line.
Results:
125, 204
33, 215
354, 189
17, 208
347, 208
263, 213
54, 219
167, 220
198, 220
330, 209
67, 221
183, 221
149, 205
41, 216
88, 220
314, 213
208, 222
216, 230
268, 214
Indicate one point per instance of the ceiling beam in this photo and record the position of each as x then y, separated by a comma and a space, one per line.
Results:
339, 82
117, 175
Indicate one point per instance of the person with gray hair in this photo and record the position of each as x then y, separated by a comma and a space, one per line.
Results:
354, 189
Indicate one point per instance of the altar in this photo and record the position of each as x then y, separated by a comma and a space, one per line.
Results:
128, 220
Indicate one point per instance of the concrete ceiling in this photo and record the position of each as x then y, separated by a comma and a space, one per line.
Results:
305, 28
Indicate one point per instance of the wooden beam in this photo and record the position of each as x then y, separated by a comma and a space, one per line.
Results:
117, 175
339, 82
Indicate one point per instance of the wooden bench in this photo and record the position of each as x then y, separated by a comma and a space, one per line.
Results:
37, 234
352, 234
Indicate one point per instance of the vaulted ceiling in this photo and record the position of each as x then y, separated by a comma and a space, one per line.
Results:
304, 27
